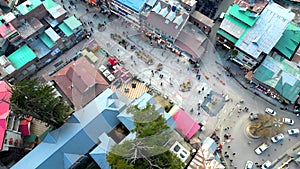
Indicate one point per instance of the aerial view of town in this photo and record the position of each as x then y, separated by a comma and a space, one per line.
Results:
150, 84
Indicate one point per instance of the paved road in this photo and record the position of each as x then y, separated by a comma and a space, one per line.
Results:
179, 73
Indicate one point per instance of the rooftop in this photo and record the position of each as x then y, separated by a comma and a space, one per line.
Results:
72, 22
289, 41
254, 6
158, 19
28, 6
202, 18
234, 27
6, 31
187, 42
56, 11
40, 49
65, 29
49, 4
21, 57
243, 14
135, 5
5, 94
280, 74
266, 32
30, 27
80, 81
63, 147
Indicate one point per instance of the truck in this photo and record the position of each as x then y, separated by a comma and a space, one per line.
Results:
263, 147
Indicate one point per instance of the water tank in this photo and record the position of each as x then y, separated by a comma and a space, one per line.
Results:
173, 8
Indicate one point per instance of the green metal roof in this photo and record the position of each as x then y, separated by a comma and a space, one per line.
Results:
244, 16
280, 74
289, 41
72, 23
227, 36
47, 40
66, 30
21, 56
49, 4
23, 9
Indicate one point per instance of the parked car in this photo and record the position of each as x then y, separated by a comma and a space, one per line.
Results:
253, 116
293, 132
249, 164
263, 147
288, 121
277, 138
270, 111
266, 165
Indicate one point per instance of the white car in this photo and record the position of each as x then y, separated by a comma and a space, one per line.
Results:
293, 132
249, 164
288, 121
266, 165
270, 111
277, 138
263, 147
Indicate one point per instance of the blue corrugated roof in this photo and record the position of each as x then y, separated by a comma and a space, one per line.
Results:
60, 146
135, 5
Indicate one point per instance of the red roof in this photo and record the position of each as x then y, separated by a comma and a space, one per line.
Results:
186, 126
80, 81
5, 94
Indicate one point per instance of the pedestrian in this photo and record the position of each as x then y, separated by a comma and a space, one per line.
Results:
228, 146
233, 154
118, 50
231, 160
161, 83
92, 30
199, 91
86, 9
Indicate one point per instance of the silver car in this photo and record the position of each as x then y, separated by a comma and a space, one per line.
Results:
249, 164
288, 121
277, 138
270, 111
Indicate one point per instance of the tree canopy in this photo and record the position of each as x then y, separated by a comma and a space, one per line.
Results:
32, 98
149, 149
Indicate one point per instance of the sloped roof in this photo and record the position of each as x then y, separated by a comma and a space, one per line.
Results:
23, 9
21, 57
65, 145
135, 5
280, 74
66, 30
80, 81
5, 94
246, 17
234, 27
99, 153
72, 22
49, 4
267, 30
186, 126
289, 41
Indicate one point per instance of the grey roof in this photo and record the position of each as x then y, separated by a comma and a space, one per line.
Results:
63, 146
232, 28
266, 32
171, 28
